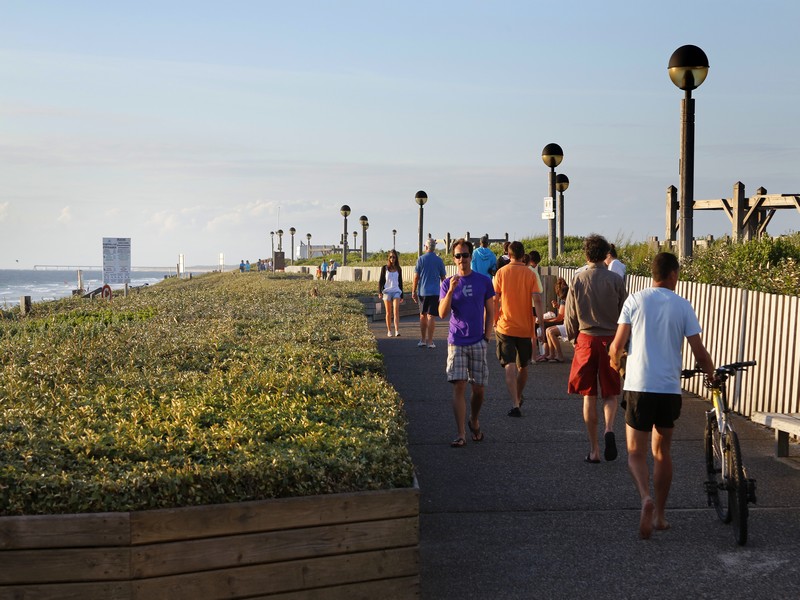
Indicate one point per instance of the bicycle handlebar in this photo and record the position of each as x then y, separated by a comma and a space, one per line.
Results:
721, 370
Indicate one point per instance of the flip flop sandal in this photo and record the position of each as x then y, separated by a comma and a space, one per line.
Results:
477, 434
460, 443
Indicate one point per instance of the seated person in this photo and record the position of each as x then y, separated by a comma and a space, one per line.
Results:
554, 327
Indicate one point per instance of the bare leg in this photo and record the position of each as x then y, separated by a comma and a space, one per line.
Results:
590, 418
387, 306
511, 382
610, 405
476, 402
637, 465
552, 342
662, 473
522, 379
430, 327
423, 325
460, 407
396, 303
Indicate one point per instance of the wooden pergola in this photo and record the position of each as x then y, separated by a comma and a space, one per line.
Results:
749, 216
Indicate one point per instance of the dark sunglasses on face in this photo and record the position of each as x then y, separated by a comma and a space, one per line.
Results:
458, 255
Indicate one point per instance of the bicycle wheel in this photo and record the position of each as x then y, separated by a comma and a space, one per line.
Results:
737, 490
715, 483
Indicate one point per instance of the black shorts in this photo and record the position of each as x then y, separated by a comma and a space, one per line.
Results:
512, 349
429, 305
648, 409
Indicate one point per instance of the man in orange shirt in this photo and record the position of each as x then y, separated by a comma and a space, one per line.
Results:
515, 286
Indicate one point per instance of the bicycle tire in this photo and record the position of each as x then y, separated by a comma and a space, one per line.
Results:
737, 490
714, 459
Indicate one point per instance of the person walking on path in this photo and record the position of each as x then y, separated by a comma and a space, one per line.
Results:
655, 320
467, 299
390, 288
429, 273
503, 259
323, 269
483, 260
332, 269
592, 308
613, 263
515, 287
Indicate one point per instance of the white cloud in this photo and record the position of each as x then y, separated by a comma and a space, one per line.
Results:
164, 221
65, 216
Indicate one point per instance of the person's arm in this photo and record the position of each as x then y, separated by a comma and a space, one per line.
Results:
382, 281
701, 355
488, 317
571, 323
539, 306
414, 285
618, 345
400, 280
446, 301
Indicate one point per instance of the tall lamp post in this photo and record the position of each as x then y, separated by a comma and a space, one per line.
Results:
552, 155
688, 67
345, 212
364, 226
272, 242
292, 231
421, 198
355, 240
308, 246
280, 240
394, 239
562, 183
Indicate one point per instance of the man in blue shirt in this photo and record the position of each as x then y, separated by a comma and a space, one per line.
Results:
428, 276
483, 260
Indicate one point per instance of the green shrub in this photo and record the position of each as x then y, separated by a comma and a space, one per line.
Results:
227, 387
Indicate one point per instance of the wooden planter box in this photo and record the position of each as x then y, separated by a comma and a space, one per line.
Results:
359, 545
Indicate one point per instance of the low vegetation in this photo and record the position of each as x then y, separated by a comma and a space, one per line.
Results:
223, 388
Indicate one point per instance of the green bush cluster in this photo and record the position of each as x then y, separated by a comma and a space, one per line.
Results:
222, 388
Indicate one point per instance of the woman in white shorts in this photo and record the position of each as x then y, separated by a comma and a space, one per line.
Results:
390, 289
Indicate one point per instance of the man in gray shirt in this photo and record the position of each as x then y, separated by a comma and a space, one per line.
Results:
593, 305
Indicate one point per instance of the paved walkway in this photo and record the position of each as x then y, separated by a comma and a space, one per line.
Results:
520, 515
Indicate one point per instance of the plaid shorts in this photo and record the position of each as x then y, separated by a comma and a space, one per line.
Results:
468, 363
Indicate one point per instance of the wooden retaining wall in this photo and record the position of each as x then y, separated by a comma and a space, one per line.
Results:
349, 546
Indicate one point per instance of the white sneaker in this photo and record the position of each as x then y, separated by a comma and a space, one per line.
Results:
396, 333
420, 344
431, 345
388, 334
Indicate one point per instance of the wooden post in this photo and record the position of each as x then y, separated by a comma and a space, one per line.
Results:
672, 214
125, 292
24, 305
740, 232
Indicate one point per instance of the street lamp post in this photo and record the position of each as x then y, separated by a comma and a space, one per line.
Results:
308, 246
345, 212
280, 240
552, 155
562, 183
272, 242
355, 240
688, 67
421, 198
364, 226
292, 231
394, 239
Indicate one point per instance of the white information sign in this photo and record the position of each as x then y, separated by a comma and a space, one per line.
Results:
548, 204
116, 260
548, 215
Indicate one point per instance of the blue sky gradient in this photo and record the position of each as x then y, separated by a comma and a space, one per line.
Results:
198, 127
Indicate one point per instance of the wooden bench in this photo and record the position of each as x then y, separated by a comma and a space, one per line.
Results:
783, 424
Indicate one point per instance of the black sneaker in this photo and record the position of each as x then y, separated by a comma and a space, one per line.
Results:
515, 412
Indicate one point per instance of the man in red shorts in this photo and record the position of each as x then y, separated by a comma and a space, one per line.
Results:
594, 302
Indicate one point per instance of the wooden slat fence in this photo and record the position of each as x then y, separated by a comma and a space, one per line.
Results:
741, 325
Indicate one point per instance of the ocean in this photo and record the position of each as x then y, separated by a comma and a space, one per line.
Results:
43, 285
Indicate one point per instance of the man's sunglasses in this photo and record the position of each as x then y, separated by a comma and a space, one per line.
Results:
458, 255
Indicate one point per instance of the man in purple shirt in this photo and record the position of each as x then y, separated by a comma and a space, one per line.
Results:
467, 298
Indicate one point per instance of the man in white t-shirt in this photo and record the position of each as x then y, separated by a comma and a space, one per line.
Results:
655, 320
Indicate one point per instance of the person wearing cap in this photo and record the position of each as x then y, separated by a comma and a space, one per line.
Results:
332, 269
429, 273
483, 260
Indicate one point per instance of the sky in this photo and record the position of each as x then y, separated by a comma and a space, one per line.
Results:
197, 127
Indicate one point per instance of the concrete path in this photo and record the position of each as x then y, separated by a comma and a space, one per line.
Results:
520, 515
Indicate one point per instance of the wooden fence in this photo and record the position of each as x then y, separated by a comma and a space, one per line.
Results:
740, 325
348, 546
